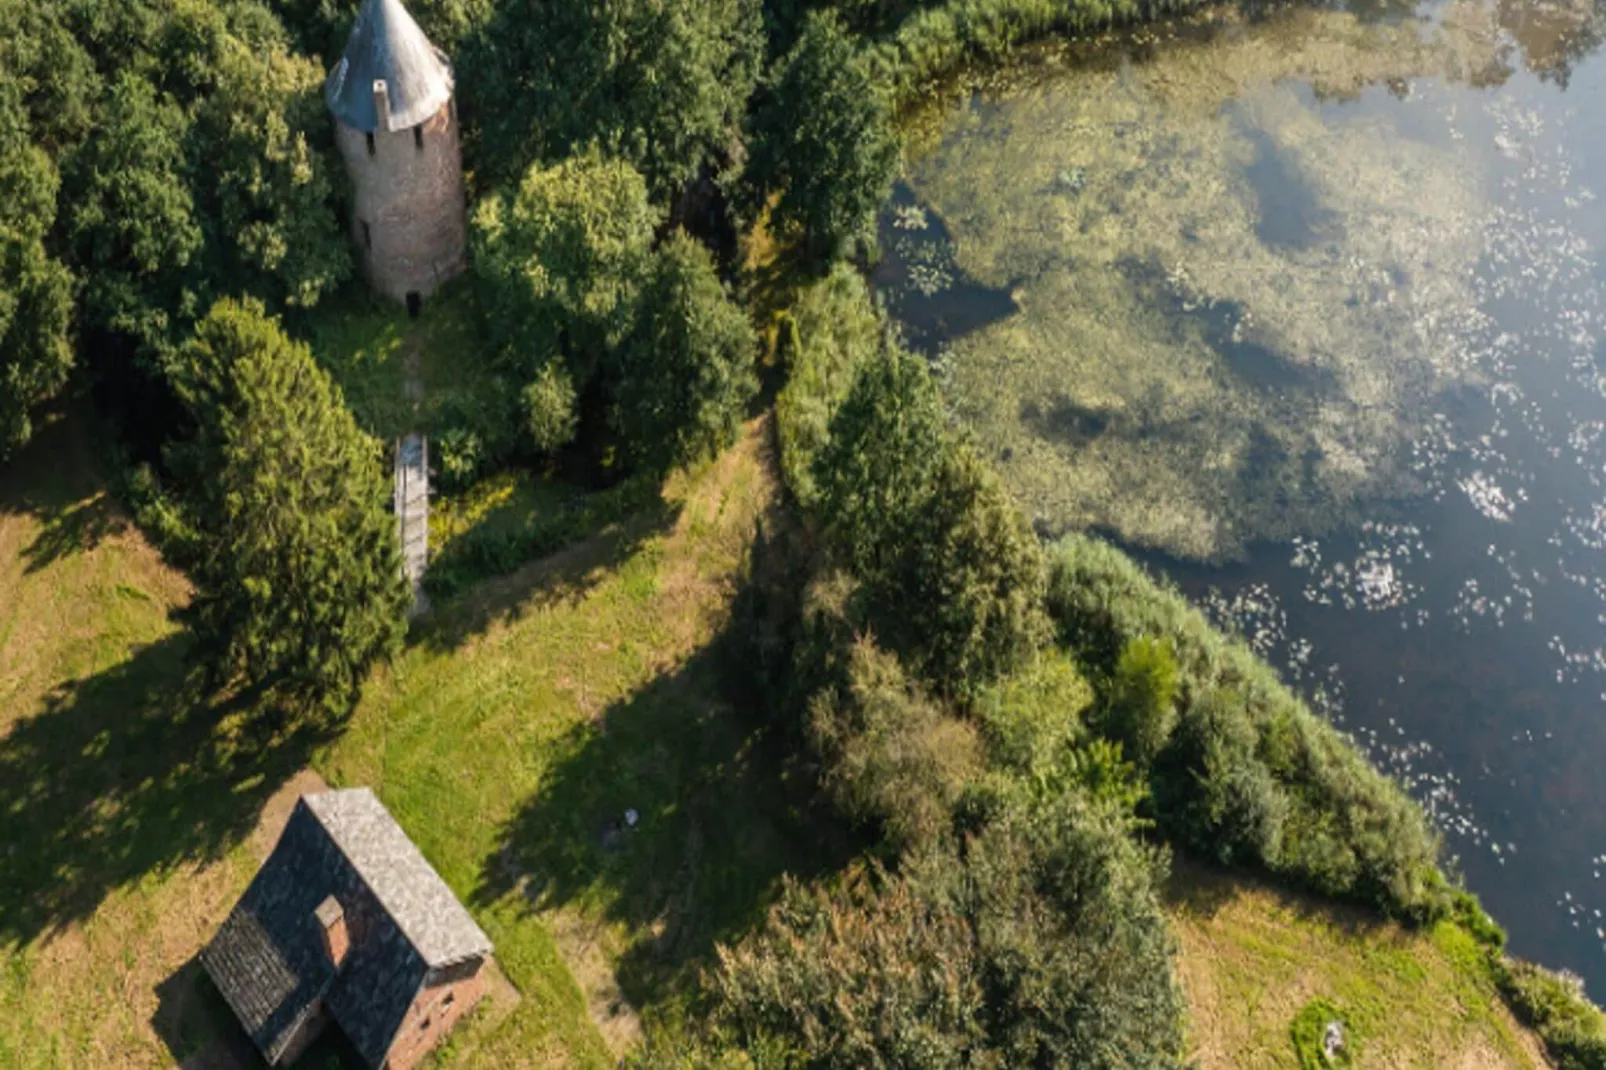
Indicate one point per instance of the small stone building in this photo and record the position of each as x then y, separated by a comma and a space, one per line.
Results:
348, 923
396, 125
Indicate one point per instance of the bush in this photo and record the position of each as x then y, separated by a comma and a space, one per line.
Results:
683, 377
1212, 792
952, 574
485, 552
1140, 710
833, 331
890, 754
1554, 1004
1348, 830
1309, 1034
1039, 943
551, 413
943, 35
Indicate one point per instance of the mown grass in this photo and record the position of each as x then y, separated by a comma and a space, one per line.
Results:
527, 718
124, 808
1253, 957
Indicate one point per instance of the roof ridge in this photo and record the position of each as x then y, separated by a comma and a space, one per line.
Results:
395, 911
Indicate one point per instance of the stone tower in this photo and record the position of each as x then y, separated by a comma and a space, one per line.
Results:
396, 124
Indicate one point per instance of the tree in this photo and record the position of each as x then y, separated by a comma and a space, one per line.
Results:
954, 573
35, 289
560, 261
684, 375
1213, 792
134, 220
1141, 706
662, 84
822, 138
261, 136
292, 553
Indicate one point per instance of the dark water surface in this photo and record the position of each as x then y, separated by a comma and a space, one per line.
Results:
1459, 634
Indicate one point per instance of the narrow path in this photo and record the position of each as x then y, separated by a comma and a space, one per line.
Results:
412, 487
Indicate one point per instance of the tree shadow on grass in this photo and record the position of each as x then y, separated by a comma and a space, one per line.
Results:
1201, 890
125, 774
52, 480
582, 558
723, 809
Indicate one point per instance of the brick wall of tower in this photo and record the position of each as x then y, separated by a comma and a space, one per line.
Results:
408, 223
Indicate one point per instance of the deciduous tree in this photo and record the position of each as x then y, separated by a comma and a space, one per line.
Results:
684, 375
822, 139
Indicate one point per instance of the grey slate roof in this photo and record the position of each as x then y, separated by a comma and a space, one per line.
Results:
387, 44
399, 874
268, 958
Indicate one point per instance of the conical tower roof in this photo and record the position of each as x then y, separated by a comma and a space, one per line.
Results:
387, 44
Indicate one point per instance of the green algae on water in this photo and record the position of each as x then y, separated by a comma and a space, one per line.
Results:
1236, 301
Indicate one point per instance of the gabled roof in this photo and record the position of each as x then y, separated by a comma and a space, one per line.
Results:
387, 44
268, 958
400, 876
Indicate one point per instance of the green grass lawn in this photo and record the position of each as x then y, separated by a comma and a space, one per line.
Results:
125, 807
364, 342
509, 739
522, 724
1252, 958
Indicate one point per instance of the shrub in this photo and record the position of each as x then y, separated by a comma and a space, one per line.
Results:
684, 375
551, 413
1212, 793
1554, 1004
1309, 1034
485, 552
1348, 830
833, 331
1140, 710
1040, 942
890, 754
952, 574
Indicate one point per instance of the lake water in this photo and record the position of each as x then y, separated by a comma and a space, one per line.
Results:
1308, 310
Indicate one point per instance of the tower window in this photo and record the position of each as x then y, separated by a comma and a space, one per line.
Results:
418, 137
370, 144
367, 235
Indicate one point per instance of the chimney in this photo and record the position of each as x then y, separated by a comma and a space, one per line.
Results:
382, 105
332, 924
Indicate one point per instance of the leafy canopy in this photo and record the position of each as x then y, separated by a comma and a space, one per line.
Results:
954, 573
663, 85
684, 374
822, 139
286, 536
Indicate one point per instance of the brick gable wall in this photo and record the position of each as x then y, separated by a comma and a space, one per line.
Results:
447, 995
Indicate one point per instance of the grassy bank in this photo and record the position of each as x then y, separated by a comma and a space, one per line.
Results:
1252, 957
